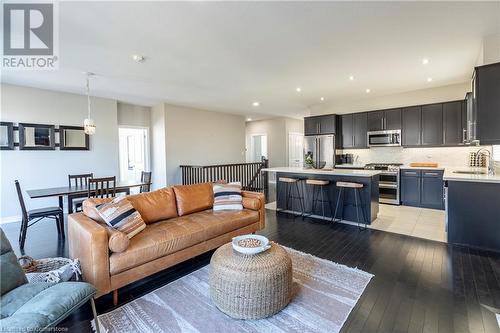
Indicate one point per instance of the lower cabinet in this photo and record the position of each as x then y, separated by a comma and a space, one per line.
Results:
422, 188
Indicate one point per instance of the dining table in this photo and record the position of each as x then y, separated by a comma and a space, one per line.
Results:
73, 192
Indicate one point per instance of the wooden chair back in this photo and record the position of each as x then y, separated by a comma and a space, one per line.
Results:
145, 178
21, 200
104, 187
79, 180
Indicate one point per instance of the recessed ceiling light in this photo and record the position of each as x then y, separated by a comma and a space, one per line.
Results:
322, 99
298, 89
425, 61
138, 58
351, 78
249, 119
429, 79
368, 90
256, 104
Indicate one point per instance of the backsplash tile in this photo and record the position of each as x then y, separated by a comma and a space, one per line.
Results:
444, 156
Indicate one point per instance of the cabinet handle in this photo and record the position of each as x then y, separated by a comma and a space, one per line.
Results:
464, 135
410, 173
432, 173
382, 122
353, 140
319, 126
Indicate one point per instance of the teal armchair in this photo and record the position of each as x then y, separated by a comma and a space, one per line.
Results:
32, 307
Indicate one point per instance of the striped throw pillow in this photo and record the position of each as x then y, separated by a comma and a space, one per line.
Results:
227, 196
122, 216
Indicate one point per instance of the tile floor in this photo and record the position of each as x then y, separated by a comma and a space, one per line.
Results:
413, 221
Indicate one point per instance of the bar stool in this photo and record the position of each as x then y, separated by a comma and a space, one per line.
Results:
289, 183
357, 192
318, 189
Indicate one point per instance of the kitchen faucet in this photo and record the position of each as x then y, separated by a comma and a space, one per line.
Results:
491, 165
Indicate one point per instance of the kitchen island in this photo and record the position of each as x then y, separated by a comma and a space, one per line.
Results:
369, 192
473, 208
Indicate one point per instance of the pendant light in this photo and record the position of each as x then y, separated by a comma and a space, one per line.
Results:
88, 124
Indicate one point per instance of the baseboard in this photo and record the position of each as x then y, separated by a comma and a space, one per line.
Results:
10, 219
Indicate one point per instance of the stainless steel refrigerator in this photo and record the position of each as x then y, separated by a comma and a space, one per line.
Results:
319, 151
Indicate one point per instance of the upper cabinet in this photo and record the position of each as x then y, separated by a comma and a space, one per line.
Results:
354, 128
384, 120
411, 126
487, 98
432, 124
454, 123
318, 125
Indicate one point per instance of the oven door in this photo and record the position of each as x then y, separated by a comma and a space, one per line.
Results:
384, 138
389, 188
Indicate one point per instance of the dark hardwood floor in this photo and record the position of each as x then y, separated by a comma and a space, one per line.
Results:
419, 285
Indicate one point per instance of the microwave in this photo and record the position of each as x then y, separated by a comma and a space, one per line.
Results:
384, 138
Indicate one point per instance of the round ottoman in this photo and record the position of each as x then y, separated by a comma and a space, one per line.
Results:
250, 286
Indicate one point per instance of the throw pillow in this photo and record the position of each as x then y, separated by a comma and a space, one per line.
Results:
122, 216
227, 196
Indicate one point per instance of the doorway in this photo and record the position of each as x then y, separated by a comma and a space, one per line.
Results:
258, 147
133, 152
295, 149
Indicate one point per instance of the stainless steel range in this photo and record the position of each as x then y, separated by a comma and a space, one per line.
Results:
389, 181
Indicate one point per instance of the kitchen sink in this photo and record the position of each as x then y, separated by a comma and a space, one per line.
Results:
469, 172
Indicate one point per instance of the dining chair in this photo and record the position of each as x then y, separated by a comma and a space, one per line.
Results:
145, 178
104, 187
81, 180
37, 215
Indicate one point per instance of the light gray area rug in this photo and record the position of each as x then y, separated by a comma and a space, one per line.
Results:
325, 294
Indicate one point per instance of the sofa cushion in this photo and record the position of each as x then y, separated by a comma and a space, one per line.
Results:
166, 237
221, 222
157, 240
155, 206
11, 273
121, 215
193, 198
46, 307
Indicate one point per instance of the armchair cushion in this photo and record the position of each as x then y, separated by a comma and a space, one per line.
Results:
41, 305
11, 273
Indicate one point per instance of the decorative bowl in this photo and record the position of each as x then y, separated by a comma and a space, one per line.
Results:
254, 244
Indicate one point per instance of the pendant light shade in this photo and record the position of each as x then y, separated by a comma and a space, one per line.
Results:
89, 124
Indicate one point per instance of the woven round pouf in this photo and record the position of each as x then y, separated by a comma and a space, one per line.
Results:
250, 286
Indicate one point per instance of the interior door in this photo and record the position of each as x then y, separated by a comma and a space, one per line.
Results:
133, 153
295, 149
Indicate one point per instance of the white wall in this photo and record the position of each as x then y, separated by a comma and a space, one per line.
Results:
40, 169
417, 97
158, 147
200, 137
133, 115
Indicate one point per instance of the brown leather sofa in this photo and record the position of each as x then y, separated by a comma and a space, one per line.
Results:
180, 225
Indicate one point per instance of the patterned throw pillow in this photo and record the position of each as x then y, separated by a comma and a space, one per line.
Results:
121, 215
227, 196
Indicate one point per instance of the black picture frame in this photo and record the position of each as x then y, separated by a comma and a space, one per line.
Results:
62, 145
51, 135
10, 135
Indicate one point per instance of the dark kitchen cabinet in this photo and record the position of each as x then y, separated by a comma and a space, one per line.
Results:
432, 125
359, 129
354, 127
375, 121
422, 188
410, 187
432, 189
318, 125
453, 123
487, 102
346, 121
384, 120
411, 125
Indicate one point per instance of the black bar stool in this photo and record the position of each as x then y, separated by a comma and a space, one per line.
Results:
357, 187
290, 185
318, 190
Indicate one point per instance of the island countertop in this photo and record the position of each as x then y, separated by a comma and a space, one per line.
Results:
330, 172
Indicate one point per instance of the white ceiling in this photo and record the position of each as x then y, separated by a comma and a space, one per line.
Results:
225, 55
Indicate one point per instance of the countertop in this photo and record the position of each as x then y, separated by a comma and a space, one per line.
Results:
331, 172
465, 177
350, 166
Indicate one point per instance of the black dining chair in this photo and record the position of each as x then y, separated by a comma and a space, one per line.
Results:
81, 180
37, 215
104, 187
145, 179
